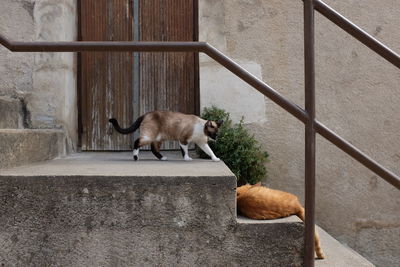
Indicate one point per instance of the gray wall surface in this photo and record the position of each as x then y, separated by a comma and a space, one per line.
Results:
45, 82
358, 95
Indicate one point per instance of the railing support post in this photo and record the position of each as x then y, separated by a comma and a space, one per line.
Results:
309, 73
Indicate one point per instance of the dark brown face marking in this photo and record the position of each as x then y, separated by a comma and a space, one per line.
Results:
211, 129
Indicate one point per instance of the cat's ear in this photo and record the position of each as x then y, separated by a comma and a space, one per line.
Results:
219, 122
257, 184
208, 123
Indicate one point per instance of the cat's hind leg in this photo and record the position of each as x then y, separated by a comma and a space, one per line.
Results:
155, 148
185, 150
139, 143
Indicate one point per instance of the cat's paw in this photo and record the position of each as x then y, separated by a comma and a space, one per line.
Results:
135, 154
216, 159
187, 158
164, 158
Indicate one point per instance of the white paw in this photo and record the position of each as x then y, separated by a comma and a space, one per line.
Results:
216, 159
187, 158
164, 158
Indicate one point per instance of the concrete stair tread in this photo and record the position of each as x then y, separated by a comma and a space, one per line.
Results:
122, 164
290, 219
337, 254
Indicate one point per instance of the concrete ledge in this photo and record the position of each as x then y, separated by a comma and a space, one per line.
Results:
75, 212
23, 146
246, 221
121, 164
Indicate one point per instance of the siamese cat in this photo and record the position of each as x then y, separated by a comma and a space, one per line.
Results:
262, 203
158, 126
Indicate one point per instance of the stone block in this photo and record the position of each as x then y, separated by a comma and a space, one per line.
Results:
23, 146
11, 113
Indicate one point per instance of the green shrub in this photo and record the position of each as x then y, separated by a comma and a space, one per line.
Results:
238, 149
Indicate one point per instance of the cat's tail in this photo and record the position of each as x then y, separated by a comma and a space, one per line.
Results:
128, 130
317, 243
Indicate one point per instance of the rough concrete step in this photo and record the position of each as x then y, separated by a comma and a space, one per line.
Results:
23, 146
11, 113
337, 255
103, 209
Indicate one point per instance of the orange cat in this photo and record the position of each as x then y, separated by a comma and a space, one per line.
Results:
262, 203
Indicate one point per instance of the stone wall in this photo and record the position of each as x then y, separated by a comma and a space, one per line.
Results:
44, 82
357, 96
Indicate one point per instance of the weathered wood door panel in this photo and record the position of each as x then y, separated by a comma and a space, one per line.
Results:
167, 80
106, 89
164, 80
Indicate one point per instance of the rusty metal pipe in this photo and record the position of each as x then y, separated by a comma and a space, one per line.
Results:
103, 46
357, 33
5, 42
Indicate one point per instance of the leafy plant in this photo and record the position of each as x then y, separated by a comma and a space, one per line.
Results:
239, 150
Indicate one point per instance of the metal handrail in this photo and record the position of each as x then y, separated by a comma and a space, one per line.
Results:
357, 154
218, 56
357, 32
306, 116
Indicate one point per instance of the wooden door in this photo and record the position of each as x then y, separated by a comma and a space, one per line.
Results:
125, 85
106, 78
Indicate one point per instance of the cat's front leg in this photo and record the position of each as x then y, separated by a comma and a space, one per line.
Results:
185, 151
206, 148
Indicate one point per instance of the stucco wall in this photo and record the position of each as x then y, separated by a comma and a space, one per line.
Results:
357, 96
46, 82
